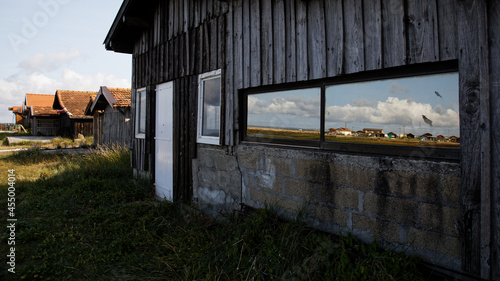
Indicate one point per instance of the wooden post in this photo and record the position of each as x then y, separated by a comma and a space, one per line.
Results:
474, 227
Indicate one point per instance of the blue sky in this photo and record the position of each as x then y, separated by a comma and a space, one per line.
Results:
47, 45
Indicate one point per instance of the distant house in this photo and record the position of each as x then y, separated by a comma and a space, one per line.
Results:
426, 137
440, 138
71, 107
454, 139
111, 116
18, 112
344, 131
371, 132
392, 135
40, 115
410, 136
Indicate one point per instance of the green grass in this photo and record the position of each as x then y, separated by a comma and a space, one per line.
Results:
84, 217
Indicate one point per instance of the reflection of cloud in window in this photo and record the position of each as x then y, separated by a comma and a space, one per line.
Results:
397, 90
393, 111
291, 105
212, 92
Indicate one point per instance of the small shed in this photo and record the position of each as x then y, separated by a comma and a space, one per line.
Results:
40, 116
111, 116
71, 107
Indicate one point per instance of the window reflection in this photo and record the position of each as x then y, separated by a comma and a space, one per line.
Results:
420, 110
211, 107
292, 114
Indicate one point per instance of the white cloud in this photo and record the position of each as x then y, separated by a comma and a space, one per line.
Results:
50, 61
398, 90
392, 111
13, 90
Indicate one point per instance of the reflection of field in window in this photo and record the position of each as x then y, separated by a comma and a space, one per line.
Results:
421, 110
293, 114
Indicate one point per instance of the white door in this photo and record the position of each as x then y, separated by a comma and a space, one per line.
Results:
163, 142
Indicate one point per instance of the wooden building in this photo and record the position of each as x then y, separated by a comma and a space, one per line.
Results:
40, 115
199, 65
111, 116
71, 107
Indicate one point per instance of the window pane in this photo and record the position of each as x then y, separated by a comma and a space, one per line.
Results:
211, 107
142, 112
292, 114
421, 110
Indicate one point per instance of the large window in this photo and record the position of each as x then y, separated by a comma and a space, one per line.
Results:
385, 114
209, 107
140, 113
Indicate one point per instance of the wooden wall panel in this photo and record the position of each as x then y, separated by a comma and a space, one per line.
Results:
422, 28
290, 47
301, 40
334, 37
354, 56
372, 22
266, 40
316, 50
393, 33
279, 41
255, 52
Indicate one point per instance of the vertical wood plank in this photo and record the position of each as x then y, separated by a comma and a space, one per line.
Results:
267, 42
185, 20
213, 44
255, 52
290, 61
279, 41
221, 43
238, 44
494, 65
246, 43
210, 8
228, 91
171, 19
447, 29
423, 39
354, 55
203, 14
372, 22
393, 33
316, 37
301, 40
334, 37
474, 134
206, 46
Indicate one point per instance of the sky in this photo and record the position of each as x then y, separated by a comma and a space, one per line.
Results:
46, 45
394, 105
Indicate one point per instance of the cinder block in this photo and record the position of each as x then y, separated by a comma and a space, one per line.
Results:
268, 181
356, 177
249, 161
226, 163
329, 215
396, 209
299, 188
282, 203
409, 183
450, 189
339, 196
381, 230
446, 245
439, 218
312, 170
281, 166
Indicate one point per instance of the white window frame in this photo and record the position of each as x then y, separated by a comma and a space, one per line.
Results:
138, 134
200, 137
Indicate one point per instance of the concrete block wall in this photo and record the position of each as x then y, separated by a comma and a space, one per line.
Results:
404, 204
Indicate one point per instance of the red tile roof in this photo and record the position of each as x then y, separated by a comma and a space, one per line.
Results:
72, 102
122, 96
40, 105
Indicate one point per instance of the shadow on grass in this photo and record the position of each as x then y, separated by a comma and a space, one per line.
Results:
89, 219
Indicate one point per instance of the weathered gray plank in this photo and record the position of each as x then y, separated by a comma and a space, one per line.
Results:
393, 33
423, 39
447, 29
185, 19
214, 44
210, 8
372, 34
334, 37
316, 37
494, 38
354, 54
171, 19
473, 97
238, 44
301, 40
228, 91
279, 41
255, 52
266, 42
246, 43
291, 67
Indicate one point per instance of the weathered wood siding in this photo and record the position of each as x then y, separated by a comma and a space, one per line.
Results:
114, 127
185, 39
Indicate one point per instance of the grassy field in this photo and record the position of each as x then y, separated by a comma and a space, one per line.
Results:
84, 217
315, 135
